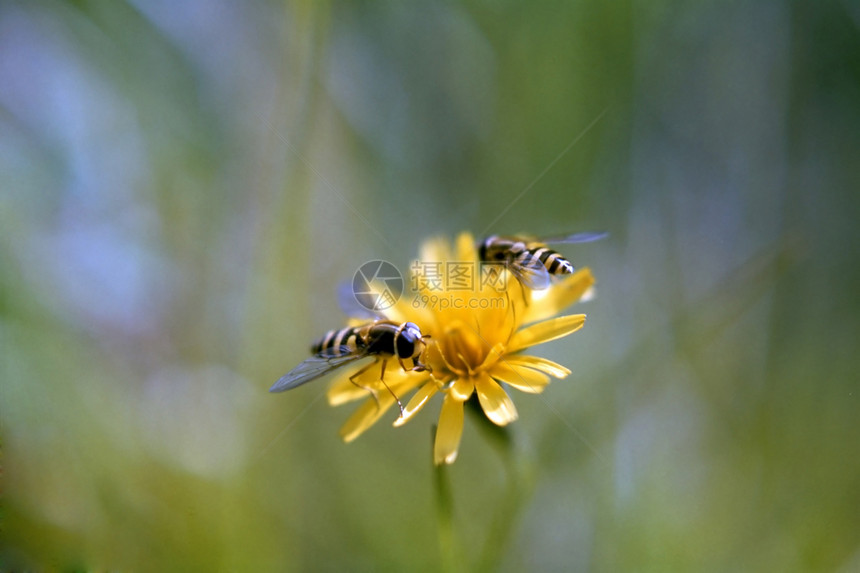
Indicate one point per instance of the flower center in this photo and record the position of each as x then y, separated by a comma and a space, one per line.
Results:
465, 351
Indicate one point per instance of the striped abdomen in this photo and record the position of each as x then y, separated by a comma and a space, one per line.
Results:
555, 263
339, 342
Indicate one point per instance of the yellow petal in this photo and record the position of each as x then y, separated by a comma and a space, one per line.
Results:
417, 402
343, 391
400, 382
466, 251
520, 377
462, 388
403, 311
433, 358
435, 250
559, 296
545, 331
449, 432
496, 403
546, 366
495, 353
365, 416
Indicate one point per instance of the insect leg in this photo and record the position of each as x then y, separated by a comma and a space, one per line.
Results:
369, 389
382, 379
418, 365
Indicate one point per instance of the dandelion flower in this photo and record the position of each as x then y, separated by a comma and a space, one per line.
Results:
479, 325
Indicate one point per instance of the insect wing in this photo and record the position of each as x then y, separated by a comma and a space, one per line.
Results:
314, 367
585, 237
530, 272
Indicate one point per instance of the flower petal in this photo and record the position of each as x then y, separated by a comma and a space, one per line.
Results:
545, 331
496, 403
559, 296
465, 248
343, 390
449, 432
542, 364
417, 402
403, 310
494, 355
462, 388
365, 416
434, 250
520, 377
400, 382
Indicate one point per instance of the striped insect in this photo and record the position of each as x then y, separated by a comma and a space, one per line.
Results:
384, 340
531, 261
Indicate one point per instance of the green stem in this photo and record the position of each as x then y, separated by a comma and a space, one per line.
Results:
445, 515
520, 474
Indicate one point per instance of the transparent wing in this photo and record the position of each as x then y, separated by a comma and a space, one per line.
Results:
530, 272
314, 367
350, 305
585, 237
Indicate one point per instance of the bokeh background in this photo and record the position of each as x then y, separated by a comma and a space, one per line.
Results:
184, 184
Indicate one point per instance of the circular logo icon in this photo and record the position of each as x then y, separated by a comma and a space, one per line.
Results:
377, 285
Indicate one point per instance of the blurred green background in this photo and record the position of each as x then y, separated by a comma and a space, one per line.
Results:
185, 184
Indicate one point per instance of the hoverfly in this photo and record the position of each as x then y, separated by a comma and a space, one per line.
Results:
531, 261
383, 339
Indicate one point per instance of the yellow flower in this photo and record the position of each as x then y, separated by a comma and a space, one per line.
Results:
476, 339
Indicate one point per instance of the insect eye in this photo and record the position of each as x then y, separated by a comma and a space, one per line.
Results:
405, 344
